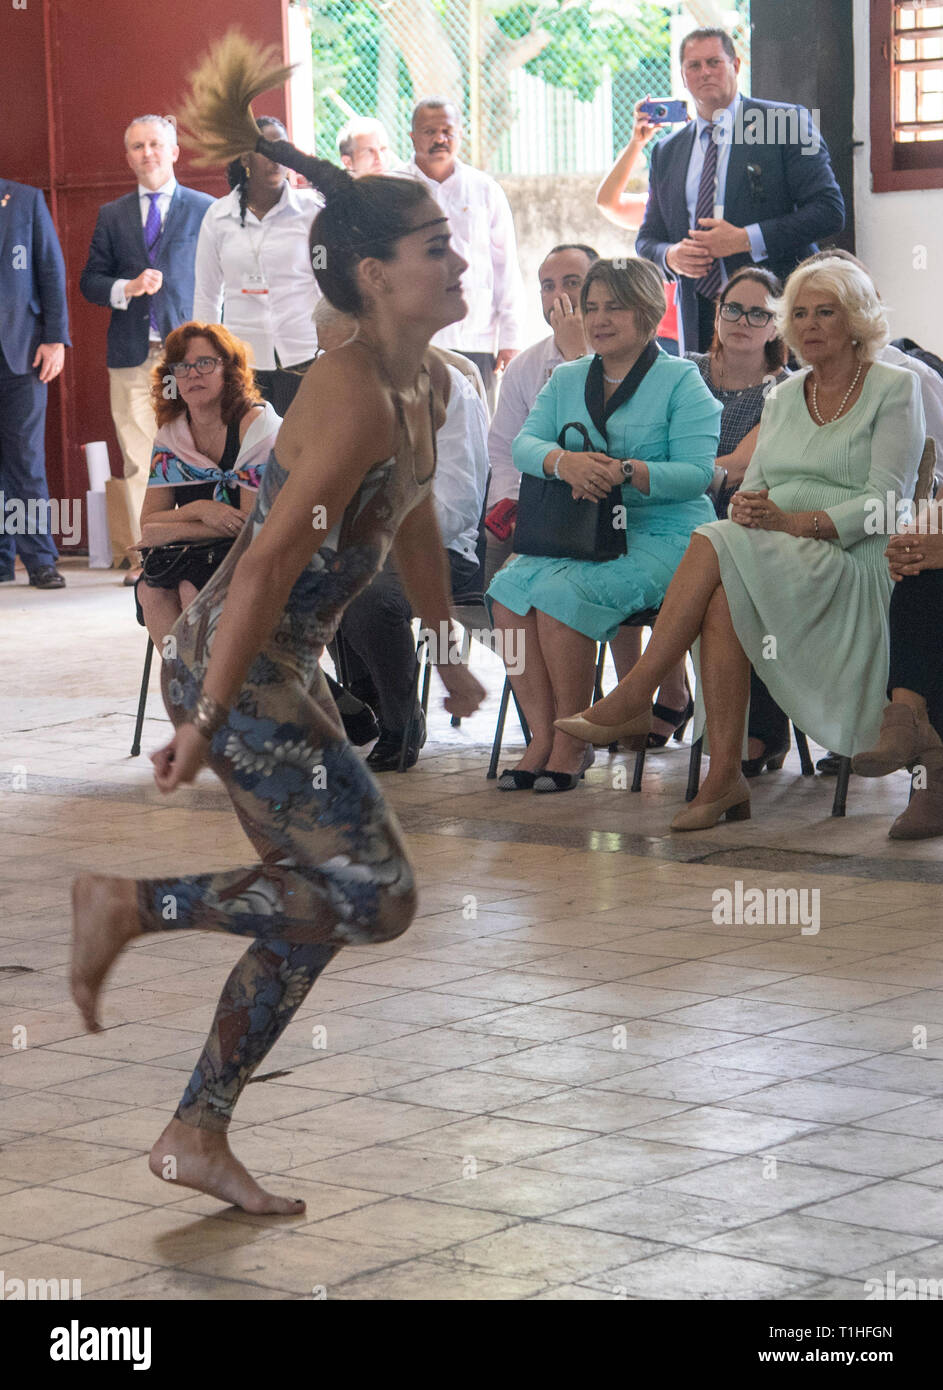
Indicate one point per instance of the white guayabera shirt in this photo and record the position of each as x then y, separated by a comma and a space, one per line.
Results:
483, 234
523, 380
257, 279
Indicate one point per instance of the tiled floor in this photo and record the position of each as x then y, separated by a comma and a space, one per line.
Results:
566, 1081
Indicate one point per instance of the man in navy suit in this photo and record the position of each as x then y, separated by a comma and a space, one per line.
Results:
747, 182
141, 266
34, 333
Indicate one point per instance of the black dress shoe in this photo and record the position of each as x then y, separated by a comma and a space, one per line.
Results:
829, 765
385, 754
358, 719
47, 578
8, 578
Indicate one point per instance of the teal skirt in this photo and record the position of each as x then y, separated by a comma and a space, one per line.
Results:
589, 597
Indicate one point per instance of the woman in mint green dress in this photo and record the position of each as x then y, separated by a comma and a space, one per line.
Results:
795, 582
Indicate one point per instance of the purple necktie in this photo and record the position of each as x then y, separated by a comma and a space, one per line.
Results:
709, 284
152, 232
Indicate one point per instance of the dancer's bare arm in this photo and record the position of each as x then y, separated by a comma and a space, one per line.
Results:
342, 423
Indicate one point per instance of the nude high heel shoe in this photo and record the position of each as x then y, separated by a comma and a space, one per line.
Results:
632, 732
734, 805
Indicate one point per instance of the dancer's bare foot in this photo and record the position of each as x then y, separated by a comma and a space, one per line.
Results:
104, 920
202, 1158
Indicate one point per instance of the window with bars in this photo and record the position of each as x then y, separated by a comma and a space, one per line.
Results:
906, 95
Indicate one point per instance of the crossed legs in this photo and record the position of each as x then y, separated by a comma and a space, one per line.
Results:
695, 604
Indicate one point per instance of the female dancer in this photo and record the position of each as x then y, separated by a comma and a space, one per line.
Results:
350, 479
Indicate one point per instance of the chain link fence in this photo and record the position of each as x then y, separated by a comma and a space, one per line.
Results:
543, 88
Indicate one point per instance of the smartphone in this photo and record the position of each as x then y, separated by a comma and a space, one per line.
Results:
665, 112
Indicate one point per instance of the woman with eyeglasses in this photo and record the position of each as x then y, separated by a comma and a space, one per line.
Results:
744, 362
795, 581
213, 437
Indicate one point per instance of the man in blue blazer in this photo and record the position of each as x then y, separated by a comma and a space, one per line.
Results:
747, 182
141, 266
34, 333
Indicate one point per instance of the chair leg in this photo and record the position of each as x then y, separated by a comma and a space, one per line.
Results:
638, 770
805, 757
841, 786
499, 729
600, 668
340, 650
412, 724
142, 699
694, 769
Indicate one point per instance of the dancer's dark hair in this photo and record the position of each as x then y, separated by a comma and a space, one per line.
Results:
237, 171
361, 217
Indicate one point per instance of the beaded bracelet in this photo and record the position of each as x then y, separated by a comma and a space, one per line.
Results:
556, 465
209, 716
815, 526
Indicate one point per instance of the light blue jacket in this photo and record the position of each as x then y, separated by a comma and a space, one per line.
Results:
672, 423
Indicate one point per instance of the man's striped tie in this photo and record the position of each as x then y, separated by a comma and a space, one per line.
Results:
709, 284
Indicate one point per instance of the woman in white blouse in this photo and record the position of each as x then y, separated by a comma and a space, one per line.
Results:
253, 269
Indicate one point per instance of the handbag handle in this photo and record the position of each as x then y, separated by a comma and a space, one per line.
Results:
575, 425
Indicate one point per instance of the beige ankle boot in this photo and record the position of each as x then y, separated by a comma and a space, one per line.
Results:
904, 737
923, 818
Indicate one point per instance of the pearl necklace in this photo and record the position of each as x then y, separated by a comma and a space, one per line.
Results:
613, 380
815, 398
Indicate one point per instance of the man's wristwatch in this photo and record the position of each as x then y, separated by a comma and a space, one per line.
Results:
628, 468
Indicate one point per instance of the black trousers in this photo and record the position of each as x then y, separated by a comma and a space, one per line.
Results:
280, 387
706, 310
23, 468
379, 645
916, 649
484, 361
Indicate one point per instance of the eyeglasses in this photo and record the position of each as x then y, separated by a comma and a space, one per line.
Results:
203, 366
756, 318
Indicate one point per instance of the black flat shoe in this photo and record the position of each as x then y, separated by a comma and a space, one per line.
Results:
515, 779
771, 758
47, 578
678, 717
549, 781
829, 765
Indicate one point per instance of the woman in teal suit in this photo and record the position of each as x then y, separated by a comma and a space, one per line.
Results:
654, 427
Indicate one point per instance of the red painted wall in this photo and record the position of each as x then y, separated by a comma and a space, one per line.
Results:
73, 73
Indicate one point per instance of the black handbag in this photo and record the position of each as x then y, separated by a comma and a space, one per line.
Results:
164, 566
550, 522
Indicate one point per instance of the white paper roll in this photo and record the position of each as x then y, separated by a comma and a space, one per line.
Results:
99, 469
99, 540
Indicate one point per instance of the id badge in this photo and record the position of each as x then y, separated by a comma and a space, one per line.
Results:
254, 284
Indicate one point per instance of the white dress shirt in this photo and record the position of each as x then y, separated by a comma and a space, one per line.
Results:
523, 379
458, 490
931, 392
483, 233
723, 139
257, 279
119, 299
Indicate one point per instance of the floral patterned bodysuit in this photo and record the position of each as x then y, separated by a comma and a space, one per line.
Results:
333, 869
